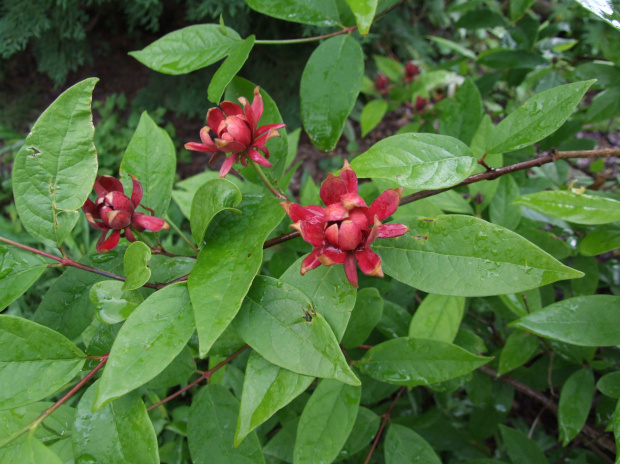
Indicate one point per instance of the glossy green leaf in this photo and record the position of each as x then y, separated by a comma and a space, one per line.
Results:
609, 385
501, 210
266, 389
120, 432
412, 362
214, 196
519, 348
462, 115
188, 49
326, 422
394, 320
365, 428
584, 320
237, 56
276, 315
228, 263
211, 428
521, 449
32, 451
575, 401
135, 263
112, 303
330, 292
372, 114
571, 207
364, 11
438, 317
35, 361
330, 84
481, 259
315, 12
168, 268
55, 169
601, 240
392, 68
538, 117
404, 446
66, 307
419, 161
151, 157
19, 270
604, 9
548, 241
365, 316
277, 146
149, 340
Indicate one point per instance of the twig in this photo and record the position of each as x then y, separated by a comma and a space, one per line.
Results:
206, 375
386, 417
280, 239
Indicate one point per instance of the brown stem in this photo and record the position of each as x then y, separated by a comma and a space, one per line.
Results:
206, 375
386, 417
281, 239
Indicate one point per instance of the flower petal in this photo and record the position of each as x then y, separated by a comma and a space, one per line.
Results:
298, 213
119, 201
119, 219
311, 233
231, 108
104, 245
332, 189
214, 118
358, 215
385, 205
336, 212
350, 269
89, 207
374, 232
269, 127
352, 200
258, 158
95, 224
147, 222
228, 164
239, 129
332, 255
206, 138
349, 177
257, 105
105, 184
369, 262
201, 147
228, 146
392, 230
129, 234
331, 234
349, 235
136, 191
311, 262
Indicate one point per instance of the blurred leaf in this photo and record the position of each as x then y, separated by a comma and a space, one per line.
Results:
604, 9
32, 451
112, 303
364, 11
504, 58
609, 384
461, 117
575, 402
372, 114
404, 446
521, 449
519, 348
365, 316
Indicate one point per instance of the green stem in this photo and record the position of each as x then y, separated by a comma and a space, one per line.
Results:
262, 176
346, 30
180, 232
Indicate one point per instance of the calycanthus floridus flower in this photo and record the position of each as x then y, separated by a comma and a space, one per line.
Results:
237, 133
114, 211
342, 232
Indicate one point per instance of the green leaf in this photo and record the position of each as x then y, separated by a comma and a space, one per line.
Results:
539, 117
519, 7
372, 114
404, 446
503, 58
392, 68
151, 157
461, 117
501, 211
276, 315
211, 426
419, 161
588, 284
188, 49
609, 385
604, 9
521, 449
112, 303
604, 105
118, 433
326, 422
466, 52
19, 270
364, 11
438, 317
330, 292
322, 13
330, 84
228, 263
481, 259
394, 320
569, 206
66, 307
267, 388
214, 196
366, 314
519, 348
412, 362
584, 320
55, 169
135, 262
238, 55
35, 361
601, 240
365, 428
149, 340
575, 402
32, 451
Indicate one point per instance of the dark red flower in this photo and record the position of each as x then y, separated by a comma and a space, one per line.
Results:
382, 84
238, 134
420, 104
411, 71
342, 232
113, 210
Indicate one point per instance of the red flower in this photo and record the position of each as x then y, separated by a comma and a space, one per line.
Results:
411, 71
420, 104
113, 210
237, 133
342, 232
382, 83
